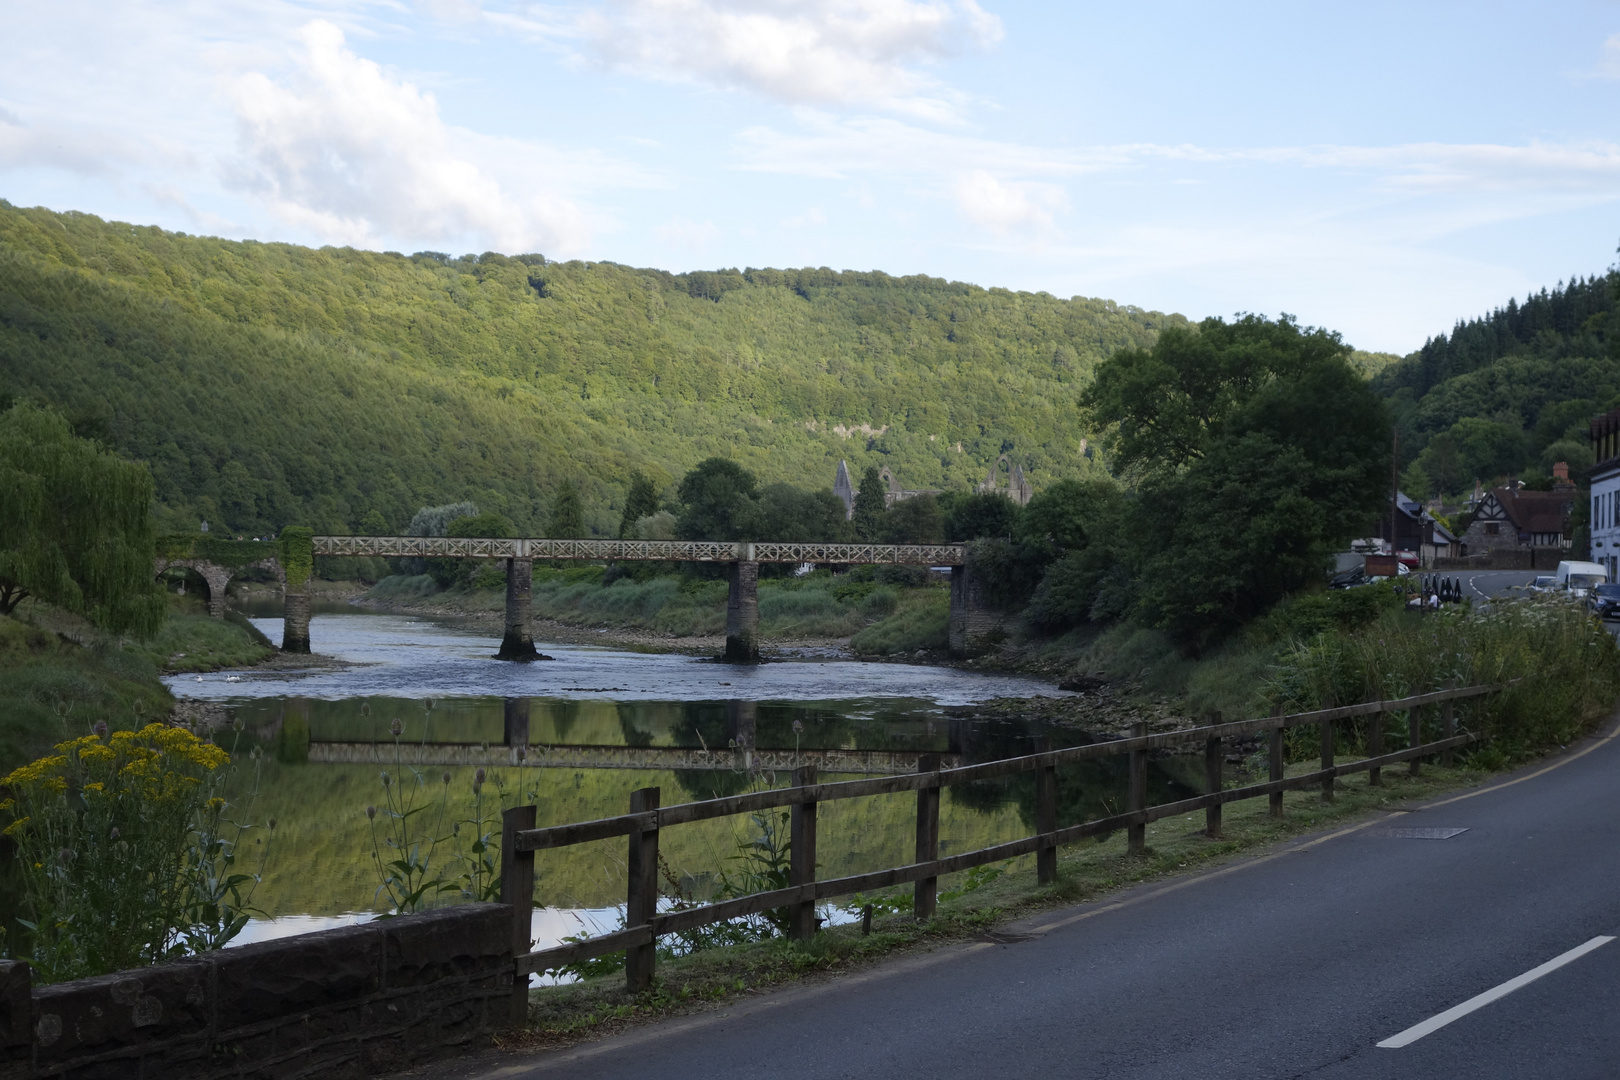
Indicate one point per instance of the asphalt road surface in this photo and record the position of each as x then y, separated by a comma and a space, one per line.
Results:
1489, 583
1296, 964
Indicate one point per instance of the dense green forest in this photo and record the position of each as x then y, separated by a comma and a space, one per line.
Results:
267, 384
1510, 393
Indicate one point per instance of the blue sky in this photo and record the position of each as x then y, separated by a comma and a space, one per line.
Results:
1379, 169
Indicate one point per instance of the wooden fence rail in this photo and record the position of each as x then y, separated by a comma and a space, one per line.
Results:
520, 839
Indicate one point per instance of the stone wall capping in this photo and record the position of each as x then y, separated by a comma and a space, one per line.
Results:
353, 1001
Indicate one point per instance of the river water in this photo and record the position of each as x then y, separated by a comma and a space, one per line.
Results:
595, 723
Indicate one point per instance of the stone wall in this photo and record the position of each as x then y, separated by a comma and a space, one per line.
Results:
338, 1003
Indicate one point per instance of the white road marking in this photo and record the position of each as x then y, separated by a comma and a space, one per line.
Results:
1457, 1012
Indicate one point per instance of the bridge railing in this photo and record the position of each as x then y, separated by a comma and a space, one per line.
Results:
455, 547
645, 924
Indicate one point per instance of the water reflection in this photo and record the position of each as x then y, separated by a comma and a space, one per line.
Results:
738, 743
599, 723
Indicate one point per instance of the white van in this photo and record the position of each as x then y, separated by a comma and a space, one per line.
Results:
1579, 577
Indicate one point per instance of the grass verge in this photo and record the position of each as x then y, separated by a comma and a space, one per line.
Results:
1087, 871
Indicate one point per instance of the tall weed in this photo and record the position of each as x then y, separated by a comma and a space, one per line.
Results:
1559, 666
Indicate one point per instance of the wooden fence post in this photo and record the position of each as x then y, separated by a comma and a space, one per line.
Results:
641, 895
1448, 725
1375, 747
1276, 762
802, 918
517, 889
927, 889
1046, 819
1327, 758
1213, 781
1136, 834
1414, 731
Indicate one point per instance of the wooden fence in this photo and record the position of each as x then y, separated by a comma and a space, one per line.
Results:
644, 924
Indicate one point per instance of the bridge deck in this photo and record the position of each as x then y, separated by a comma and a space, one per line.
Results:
453, 547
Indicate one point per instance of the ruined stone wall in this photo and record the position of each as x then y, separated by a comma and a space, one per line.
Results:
338, 1003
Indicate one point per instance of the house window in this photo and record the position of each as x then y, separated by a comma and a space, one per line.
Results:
1492, 528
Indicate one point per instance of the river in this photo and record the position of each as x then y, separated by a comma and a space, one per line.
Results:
595, 723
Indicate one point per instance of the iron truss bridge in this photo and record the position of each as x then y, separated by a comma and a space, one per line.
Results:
455, 547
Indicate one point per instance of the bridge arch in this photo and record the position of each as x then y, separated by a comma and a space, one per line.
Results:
217, 576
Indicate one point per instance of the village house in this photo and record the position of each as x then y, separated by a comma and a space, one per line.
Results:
1513, 519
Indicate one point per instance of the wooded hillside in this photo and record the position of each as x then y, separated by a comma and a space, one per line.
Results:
269, 383
1509, 393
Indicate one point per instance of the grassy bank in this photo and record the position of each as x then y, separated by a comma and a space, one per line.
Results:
1086, 871
190, 642
59, 677
883, 611
52, 688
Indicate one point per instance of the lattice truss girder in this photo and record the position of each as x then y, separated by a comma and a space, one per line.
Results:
457, 547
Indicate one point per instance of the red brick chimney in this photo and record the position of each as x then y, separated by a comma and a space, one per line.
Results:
1561, 475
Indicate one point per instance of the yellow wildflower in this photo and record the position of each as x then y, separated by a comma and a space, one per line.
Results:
34, 771
15, 826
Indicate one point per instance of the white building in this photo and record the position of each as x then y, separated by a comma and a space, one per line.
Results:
1605, 477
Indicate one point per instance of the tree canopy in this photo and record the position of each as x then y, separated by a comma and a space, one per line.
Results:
75, 525
1258, 449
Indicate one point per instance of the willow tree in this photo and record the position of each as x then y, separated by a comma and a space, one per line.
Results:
75, 525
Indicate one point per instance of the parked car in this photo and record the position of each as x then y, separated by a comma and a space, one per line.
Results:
1349, 579
1604, 601
1543, 583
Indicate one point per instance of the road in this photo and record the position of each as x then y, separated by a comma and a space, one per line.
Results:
1295, 964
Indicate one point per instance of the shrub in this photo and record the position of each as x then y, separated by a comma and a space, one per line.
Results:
923, 623
1561, 668
125, 852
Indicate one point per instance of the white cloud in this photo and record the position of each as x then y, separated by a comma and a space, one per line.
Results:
70, 148
1609, 64
812, 216
687, 235
861, 53
1004, 207
349, 153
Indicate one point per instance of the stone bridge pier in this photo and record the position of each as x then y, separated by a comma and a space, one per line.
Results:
974, 625
742, 613
295, 607
517, 643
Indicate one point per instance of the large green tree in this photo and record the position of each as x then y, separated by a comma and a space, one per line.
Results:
717, 502
75, 526
1257, 451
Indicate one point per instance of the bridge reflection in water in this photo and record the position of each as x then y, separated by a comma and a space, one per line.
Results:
740, 751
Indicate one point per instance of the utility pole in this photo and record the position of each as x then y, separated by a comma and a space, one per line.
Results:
1394, 484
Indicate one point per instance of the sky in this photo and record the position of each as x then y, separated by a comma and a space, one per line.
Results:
1381, 170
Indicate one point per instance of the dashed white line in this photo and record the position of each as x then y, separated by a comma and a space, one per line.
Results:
1479, 1001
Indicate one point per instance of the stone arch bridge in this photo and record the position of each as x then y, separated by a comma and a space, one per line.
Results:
969, 619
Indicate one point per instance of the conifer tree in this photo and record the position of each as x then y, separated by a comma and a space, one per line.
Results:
871, 507
567, 514
639, 501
